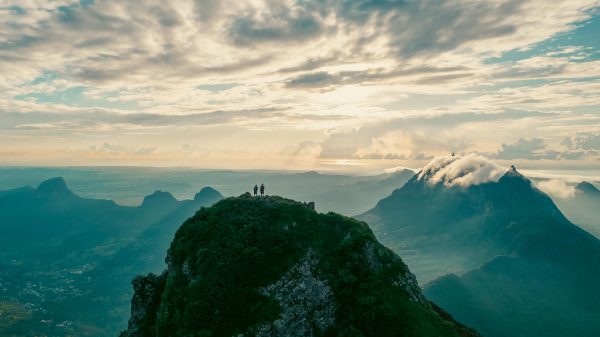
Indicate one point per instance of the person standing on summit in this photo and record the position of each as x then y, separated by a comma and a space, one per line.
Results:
262, 190
255, 190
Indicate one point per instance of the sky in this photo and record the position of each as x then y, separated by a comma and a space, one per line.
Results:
338, 85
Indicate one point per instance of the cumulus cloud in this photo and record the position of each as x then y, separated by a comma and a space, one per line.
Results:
462, 171
557, 187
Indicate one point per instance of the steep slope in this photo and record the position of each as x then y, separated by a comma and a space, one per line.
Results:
69, 260
516, 265
275, 267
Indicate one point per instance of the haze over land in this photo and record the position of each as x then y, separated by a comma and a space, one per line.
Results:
461, 137
68, 262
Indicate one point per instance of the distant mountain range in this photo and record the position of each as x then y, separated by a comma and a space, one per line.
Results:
128, 186
496, 252
66, 261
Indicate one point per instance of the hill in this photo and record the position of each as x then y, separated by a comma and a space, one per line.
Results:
275, 267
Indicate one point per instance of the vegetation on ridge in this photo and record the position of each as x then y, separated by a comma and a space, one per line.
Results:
222, 257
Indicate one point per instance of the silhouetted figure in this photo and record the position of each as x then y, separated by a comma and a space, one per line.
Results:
255, 190
262, 190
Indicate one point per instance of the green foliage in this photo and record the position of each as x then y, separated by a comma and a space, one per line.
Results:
222, 256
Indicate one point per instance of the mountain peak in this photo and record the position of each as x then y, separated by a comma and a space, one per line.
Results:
308, 174
300, 270
159, 198
512, 172
54, 186
514, 176
587, 187
208, 195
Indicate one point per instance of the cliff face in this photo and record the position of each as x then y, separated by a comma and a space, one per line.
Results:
274, 267
146, 299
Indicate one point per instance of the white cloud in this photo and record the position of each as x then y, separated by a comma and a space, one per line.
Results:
462, 171
557, 187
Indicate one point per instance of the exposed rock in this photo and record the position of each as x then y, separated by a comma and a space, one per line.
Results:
145, 301
408, 282
371, 257
307, 302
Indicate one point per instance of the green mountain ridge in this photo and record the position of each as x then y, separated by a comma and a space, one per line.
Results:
66, 261
499, 255
271, 266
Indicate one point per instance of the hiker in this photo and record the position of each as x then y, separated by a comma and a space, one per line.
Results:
255, 189
262, 190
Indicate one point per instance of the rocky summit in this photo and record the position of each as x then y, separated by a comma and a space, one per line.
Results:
251, 266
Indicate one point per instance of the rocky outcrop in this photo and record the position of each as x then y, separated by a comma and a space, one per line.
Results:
144, 304
306, 300
408, 282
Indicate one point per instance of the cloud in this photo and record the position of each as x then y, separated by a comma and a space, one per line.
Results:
367, 79
556, 187
414, 75
583, 141
412, 137
105, 120
276, 23
536, 149
395, 169
464, 171
522, 149
114, 149
318, 79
